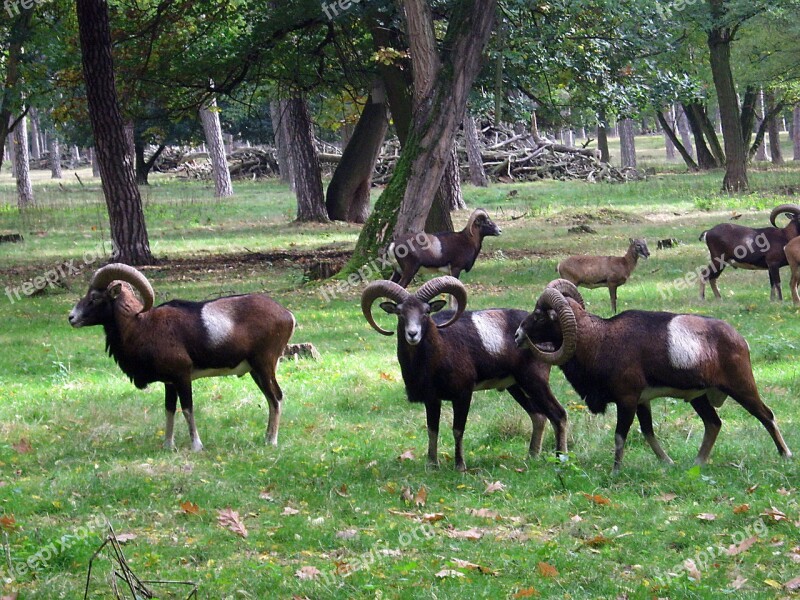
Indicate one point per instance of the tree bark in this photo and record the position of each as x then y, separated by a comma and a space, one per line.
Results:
55, 157
627, 143
719, 45
348, 194
35, 148
212, 129
19, 32
126, 217
796, 131
706, 160
602, 136
91, 154
305, 162
773, 129
21, 165
477, 175
761, 147
676, 143
670, 119
277, 110
683, 128
450, 187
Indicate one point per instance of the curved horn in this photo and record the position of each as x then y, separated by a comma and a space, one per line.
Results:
445, 285
380, 289
569, 290
475, 214
783, 208
120, 272
552, 298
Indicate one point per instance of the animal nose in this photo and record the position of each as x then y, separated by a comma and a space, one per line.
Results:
519, 338
412, 337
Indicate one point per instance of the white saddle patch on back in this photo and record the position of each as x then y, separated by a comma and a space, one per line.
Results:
218, 323
685, 348
490, 327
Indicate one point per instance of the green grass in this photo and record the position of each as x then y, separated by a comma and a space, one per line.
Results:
92, 441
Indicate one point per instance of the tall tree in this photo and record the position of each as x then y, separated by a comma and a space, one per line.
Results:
477, 174
627, 142
305, 162
21, 166
209, 116
55, 156
771, 114
796, 132
126, 217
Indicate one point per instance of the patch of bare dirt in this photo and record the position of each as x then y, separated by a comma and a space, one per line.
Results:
604, 216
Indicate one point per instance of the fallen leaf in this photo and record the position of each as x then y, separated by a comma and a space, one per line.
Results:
229, 519
733, 550
8, 522
11, 596
347, 534
666, 497
751, 489
342, 490
691, 569
707, 517
526, 593
288, 511
387, 377
407, 455
776, 514
784, 492
406, 495
190, 508
469, 534
742, 508
773, 584
792, 585
390, 552
494, 487
576, 518
597, 499
123, 538
23, 446
737, 583
449, 573
432, 517
598, 540
794, 554
266, 495
421, 497
465, 564
484, 513
403, 513
307, 573
546, 570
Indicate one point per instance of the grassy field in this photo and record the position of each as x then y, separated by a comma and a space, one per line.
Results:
346, 507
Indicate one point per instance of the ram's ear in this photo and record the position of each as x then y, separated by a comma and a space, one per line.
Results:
437, 305
389, 307
114, 290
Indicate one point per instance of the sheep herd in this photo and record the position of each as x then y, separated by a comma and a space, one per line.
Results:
627, 360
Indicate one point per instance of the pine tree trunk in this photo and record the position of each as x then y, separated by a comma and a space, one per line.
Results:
627, 143
21, 165
773, 130
683, 128
55, 157
126, 217
719, 44
348, 194
36, 149
796, 132
212, 129
477, 175
277, 110
305, 162
670, 147
761, 152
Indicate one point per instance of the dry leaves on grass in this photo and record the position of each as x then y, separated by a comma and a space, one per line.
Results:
124, 538
266, 495
742, 508
793, 585
8, 523
597, 499
751, 489
484, 513
546, 570
229, 519
691, 569
794, 554
347, 534
190, 508
737, 583
707, 517
526, 593
342, 491
777, 515
307, 573
465, 564
288, 511
468, 534
745, 545
497, 486
23, 446
449, 573
421, 497
407, 455
666, 497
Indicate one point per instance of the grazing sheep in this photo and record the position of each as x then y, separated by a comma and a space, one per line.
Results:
603, 271
181, 341
450, 355
637, 356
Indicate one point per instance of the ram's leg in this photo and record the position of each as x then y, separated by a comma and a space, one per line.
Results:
170, 406
433, 411
747, 395
712, 424
646, 423
626, 412
794, 281
264, 376
775, 283
538, 420
612, 291
460, 412
185, 394
541, 402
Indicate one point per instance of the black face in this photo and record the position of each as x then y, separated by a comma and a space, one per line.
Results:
94, 308
487, 226
539, 327
412, 317
641, 248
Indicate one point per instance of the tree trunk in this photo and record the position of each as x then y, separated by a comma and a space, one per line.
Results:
36, 149
761, 147
75, 155
773, 129
694, 116
719, 45
796, 131
348, 194
436, 117
676, 143
126, 217
21, 165
277, 111
683, 128
305, 162
627, 143
55, 157
670, 119
450, 188
212, 130
9, 152
92, 156
477, 175
602, 136
19, 33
